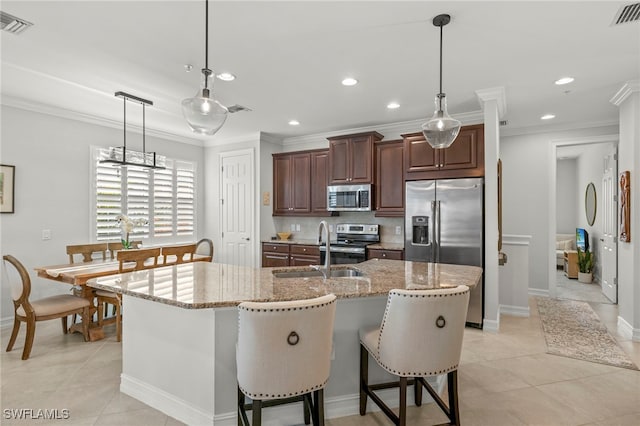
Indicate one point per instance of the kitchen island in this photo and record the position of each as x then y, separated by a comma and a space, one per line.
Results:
180, 328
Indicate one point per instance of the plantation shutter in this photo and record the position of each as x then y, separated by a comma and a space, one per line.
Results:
108, 201
163, 203
185, 194
138, 199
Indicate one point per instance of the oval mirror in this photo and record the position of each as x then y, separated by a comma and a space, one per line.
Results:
590, 203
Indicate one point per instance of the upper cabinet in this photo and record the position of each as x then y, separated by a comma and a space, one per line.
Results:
351, 158
300, 183
389, 178
464, 158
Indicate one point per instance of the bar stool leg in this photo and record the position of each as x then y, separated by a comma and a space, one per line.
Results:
417, 392
318, 397
452, 387
241, 412
402, 409
364, 379
257, 413
307, 408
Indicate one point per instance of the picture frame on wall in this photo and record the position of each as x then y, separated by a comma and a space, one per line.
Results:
7, 188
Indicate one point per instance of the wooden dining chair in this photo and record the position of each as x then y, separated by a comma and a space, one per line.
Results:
103, 297
183, 253
204, 247
87, 251
30, 312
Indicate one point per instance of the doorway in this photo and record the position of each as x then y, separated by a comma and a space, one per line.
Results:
584, 173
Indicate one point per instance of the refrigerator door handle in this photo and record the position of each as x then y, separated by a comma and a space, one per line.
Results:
433, 239
437, 230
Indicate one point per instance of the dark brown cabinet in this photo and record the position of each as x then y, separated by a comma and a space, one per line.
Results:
385, 254
389, 178
300, 183
304, 255
277, 255
464, 158
351, 158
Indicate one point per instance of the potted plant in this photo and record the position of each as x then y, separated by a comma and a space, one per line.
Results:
585, 266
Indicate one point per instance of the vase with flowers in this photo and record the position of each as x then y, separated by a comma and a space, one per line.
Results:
127, 226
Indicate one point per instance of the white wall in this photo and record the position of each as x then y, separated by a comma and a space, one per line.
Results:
566, 188
526, 169
52, 187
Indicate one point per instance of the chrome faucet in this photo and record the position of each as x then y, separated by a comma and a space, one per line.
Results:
327, 258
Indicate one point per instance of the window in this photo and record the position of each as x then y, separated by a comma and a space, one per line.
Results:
166, 198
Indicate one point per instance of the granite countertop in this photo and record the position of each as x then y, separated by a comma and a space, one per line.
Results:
199, 285
386, 246
381, 245
301, 242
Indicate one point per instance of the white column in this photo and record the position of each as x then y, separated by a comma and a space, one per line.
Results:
628, 101
493, 102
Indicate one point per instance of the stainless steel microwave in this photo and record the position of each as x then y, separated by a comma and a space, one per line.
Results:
349, 198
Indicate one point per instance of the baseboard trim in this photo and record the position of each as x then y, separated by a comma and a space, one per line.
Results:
491, 326
342, 406
164, 401
627, 330
514, 311
6, 322
538, 292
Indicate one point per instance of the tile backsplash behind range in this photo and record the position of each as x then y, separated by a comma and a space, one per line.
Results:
309, 225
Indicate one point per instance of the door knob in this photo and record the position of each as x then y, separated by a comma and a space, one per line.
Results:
246, 238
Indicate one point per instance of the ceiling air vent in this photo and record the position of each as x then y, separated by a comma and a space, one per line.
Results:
628, 13
12, 24
237, 108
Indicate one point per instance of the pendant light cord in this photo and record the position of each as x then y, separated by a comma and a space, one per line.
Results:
440, 93
206, 70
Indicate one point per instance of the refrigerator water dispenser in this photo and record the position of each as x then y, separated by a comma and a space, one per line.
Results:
420, 226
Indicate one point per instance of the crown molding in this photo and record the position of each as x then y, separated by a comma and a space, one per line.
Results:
41, 108
389, 129
495, 93
625, 91
245, 138
547, 128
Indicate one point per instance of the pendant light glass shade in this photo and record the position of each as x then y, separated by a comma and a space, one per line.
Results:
203, 113
441, 130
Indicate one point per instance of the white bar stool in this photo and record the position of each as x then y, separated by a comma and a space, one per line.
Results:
284, 355
420, 336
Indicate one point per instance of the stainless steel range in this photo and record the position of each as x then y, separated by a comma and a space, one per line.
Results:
351, 242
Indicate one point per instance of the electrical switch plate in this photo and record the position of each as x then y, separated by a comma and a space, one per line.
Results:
46, 234
293, 226
298, 227
266, 198
398, 230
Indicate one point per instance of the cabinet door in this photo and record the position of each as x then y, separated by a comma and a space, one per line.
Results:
300, 183
389, 179
419, 156
282, 185
361, 159
339, 161
270, 260
319, 181
466, 152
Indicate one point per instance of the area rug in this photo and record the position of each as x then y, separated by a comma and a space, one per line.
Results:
573, 329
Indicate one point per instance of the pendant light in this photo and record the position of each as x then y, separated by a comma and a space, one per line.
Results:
203, 113
441, 130
121, 156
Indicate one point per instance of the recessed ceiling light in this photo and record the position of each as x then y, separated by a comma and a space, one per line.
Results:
547, 117
294, 123
564, 80
349, 81
226, 76
393, 105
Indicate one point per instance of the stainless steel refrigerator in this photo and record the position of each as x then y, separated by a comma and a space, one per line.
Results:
444, 223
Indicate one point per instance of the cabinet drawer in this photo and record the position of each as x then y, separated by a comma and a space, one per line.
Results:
386, 254
275, 248
305, 250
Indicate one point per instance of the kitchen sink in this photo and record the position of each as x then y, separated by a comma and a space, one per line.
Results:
306, 273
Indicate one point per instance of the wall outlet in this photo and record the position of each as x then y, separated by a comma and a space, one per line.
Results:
46, 234
293, 226
398, 230
266, 198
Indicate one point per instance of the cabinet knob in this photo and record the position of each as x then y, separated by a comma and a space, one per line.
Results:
384, 254
304, 249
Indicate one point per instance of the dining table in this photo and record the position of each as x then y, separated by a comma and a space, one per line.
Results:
77, 275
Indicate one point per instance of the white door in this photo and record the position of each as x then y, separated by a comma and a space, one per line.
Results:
237, 207
608, 241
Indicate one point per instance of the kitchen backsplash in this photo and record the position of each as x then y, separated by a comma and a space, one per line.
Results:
306, 228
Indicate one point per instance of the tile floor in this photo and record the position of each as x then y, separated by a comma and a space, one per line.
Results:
504, 379
574, 290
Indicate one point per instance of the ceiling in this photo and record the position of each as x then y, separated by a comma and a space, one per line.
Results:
290, 57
